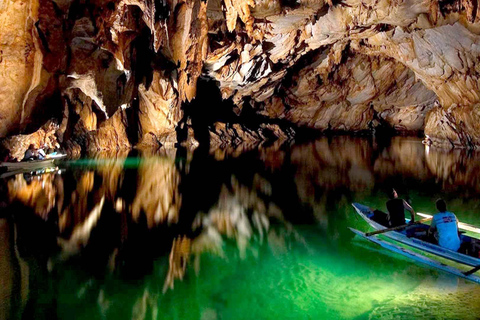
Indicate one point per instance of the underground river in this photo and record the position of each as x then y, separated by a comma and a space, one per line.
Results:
232, 234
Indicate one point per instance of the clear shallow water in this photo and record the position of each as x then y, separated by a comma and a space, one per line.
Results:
261, 234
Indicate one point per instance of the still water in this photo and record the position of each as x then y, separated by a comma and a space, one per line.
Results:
230, 235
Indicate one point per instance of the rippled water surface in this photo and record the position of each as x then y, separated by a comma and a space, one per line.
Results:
230, 235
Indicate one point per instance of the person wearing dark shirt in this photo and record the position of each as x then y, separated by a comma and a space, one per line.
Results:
30, 153
396, 207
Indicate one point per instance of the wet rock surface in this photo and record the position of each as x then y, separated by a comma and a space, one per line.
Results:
341, 67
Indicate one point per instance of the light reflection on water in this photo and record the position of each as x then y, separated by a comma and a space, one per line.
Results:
198, 236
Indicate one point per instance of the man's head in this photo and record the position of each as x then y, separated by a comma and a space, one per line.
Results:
393, 194
31, 147
441, 205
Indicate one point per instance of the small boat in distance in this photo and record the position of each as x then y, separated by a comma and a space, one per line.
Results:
30, 164
416, 237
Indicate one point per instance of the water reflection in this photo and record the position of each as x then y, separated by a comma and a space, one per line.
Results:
157, 216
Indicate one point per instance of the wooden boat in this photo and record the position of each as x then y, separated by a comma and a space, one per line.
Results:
30, 164
416, 242
416, 237
418, 257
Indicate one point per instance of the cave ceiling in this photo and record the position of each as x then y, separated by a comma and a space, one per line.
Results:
117, 74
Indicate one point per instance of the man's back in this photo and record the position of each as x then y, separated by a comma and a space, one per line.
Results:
447, 230
29, 154
396, 212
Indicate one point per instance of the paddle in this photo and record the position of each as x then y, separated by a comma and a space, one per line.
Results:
469, 272
368, 234
461, 225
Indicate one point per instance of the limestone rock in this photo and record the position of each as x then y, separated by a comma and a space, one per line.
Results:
20, 61
241, 138
456, 126
158, 111
325, 65
17, 145
111, 135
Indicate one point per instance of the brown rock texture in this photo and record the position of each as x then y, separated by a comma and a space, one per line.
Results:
20, 61
45, 136
158, 111
120, 74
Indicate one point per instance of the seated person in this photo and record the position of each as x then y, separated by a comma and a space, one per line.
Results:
41, 153
30, 154
445, 227
396, 207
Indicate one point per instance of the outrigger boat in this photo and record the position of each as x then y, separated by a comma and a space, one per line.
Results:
30, 164
416, 237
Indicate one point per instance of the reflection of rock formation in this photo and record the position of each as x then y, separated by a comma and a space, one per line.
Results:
127, 216
403, 157
14, 274
179, 256
38, 194
361, 166
157, 192
81, 233
455, 168
333, 164
76, 211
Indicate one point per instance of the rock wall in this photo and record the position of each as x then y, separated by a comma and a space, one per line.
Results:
325, 65
20, 61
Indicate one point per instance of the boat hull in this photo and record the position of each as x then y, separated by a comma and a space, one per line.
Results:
30, 165
432, 248
417, 257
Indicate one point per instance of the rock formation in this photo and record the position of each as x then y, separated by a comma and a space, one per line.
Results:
115, 74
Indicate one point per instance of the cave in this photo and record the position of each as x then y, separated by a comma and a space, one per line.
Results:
223, 159
136, 74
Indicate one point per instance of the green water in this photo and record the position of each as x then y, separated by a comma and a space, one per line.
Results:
267, 230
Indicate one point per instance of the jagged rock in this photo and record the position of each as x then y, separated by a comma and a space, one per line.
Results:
111, 135
456, 126
242, 138
341, 66
159, 112
17, 145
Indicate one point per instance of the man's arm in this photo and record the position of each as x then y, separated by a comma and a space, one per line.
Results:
456, 222
433, 227
406, 206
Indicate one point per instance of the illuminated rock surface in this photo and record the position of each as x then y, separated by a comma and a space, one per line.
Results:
118, 74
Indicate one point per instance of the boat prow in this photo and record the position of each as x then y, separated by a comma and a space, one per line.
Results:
31, 164
414, 240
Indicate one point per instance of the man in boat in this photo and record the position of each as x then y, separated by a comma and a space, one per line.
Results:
30, 153
396, 207
444, 226
41, 153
